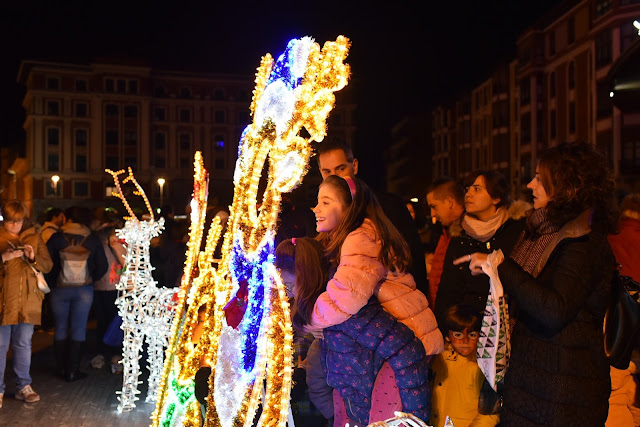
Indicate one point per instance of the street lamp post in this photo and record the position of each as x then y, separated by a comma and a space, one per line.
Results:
54, 184
161, 184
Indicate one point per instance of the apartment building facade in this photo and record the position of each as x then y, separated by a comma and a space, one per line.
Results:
84, 118
555, 90
410, 135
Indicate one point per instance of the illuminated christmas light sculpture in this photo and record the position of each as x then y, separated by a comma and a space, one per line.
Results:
402, 419
146, 310
293, 92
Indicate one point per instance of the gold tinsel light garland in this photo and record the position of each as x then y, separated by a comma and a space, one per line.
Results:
309, 76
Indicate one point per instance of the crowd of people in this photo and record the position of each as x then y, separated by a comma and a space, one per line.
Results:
77, 252
555, 255
387, 307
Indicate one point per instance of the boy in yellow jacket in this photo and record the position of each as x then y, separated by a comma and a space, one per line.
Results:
457, 377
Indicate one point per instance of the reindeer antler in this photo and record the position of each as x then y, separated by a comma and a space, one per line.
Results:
138, 192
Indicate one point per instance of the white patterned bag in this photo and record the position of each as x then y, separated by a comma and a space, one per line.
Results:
494, 345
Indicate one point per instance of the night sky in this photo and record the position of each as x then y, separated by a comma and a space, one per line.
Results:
406, 56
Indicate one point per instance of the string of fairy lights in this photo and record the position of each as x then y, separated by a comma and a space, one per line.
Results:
145, 309
292, 92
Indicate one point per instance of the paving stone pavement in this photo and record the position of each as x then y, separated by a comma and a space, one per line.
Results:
88, 402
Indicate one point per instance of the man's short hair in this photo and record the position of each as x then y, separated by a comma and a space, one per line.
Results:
79, 214
325, 147
447, 187
52, 213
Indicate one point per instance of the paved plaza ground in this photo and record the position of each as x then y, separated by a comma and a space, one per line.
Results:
88, 402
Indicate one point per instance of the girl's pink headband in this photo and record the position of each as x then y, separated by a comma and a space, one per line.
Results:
352, 185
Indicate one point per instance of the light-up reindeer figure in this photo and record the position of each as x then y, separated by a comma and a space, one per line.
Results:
146, 310
292, 93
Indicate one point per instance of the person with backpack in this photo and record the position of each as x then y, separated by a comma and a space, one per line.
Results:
54, 219
104, 298
78, 261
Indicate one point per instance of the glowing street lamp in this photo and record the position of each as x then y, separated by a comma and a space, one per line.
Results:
161, 182
54, 184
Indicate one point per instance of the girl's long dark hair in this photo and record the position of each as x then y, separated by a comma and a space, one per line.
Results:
394, 254
306, 260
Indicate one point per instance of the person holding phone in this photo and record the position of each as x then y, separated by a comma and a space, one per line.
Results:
21, 248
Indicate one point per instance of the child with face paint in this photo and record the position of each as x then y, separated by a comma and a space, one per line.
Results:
457, 378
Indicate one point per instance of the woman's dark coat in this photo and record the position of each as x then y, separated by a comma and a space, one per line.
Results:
457, 285
558, 374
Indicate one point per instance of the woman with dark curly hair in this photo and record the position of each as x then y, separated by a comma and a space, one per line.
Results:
559, 276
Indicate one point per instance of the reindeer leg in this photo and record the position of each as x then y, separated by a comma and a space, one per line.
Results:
155, 351
132, 347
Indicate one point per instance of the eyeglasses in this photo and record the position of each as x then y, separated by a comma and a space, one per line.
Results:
475, 188
460, 335
14, 221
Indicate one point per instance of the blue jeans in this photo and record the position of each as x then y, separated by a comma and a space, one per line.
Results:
20, 337
70, 308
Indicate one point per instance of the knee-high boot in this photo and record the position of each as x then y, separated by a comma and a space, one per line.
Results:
60, 349
73, 367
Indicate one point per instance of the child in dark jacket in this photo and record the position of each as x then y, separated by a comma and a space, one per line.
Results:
354, 351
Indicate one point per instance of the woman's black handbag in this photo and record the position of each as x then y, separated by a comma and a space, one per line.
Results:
622, 321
